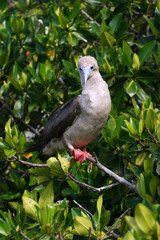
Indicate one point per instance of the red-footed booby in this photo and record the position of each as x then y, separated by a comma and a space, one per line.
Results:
80, 120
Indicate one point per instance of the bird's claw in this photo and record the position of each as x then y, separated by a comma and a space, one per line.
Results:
79, 155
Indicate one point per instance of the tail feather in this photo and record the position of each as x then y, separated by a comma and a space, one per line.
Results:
35, 147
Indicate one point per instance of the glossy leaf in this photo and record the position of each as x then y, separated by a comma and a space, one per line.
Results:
30, 207
146, 51
47, 196
144, 218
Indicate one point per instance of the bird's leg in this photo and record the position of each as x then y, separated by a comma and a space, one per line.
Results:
80, 155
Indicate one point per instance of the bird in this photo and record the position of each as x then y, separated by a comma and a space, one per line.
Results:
77, 122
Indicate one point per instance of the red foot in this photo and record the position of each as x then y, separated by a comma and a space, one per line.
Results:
80, 156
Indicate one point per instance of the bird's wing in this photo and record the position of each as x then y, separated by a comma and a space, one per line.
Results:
59, 120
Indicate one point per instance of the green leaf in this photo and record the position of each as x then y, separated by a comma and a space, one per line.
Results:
148, 164
158, 5
63, 21
105, 218
17, 25
47, 196
111, 126
5, 47
128, 236
153, 184
4, 228
132, 127
115, 22
119, 122
9, 153
141, 186
4, 4
136, 107
99, 209
130, 88
65, 164
109, 38
132, 223
18, 108
144, 218
30, 207
152, 26
95, 28
105, 11
140, 158
127, 51
55, 166
72, 40
107, 66
146, 51
135, 63
15, 83
46, 216
151, 119
82, 226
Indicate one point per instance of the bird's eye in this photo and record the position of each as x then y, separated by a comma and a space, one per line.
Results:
80, 69
91, 67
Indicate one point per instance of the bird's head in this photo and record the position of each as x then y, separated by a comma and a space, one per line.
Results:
87, 66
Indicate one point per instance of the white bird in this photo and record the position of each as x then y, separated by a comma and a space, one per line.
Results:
80, 120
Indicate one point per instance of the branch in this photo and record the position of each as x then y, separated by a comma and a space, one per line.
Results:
114, 175
89, 17
121, 216
153, 138
81, 207
100, 166
140, 143
90, 187
23, 235
29, 163
110, 233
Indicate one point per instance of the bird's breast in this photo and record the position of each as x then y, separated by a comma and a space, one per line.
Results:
95, 108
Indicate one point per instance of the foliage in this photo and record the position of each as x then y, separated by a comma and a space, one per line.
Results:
40, 45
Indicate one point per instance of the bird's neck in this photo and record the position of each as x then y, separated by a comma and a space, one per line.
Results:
93, 81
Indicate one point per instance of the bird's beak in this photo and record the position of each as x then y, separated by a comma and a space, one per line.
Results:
86, 72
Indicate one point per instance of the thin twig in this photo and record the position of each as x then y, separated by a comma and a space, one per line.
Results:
90, 187
111, 233
120, 217
89, 17
81, 207
128, 160
153, 138
114, 175
140, 143
28, 163
89, 233
23, 235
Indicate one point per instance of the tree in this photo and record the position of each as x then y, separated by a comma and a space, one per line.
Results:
41, 43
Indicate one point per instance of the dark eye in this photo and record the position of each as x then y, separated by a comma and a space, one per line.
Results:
80, 69
92, 67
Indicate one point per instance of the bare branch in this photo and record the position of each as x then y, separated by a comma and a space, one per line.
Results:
114, 175
81, 207
139, 141
153, 138
89, 17
28, 163
110, 233
23, 235
90, 187
121, 216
